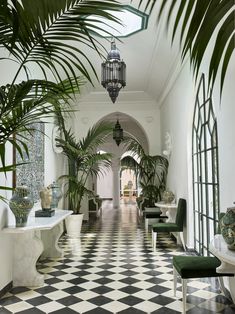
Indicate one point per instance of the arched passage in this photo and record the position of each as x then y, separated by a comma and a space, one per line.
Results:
132, 127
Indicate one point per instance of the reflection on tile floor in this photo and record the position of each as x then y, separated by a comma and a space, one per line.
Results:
112, 269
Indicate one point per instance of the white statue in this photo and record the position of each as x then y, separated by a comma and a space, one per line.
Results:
168, 145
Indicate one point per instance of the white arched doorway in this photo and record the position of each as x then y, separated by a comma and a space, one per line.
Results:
108, 185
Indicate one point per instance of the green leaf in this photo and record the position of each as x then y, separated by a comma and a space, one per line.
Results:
202, 20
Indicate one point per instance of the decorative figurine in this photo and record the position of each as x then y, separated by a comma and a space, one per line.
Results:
46, 198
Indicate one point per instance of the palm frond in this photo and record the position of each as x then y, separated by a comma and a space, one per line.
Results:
150, 170
43, 33
84, 160
201, 20
133, 145
96, 136
128, 162
23, 104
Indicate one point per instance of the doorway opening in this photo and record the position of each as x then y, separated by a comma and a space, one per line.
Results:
128, 186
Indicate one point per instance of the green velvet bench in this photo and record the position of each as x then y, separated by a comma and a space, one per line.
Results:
172, 227
195, 267
152, 213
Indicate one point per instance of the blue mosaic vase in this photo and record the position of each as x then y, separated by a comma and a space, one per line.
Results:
21, 205
227, 227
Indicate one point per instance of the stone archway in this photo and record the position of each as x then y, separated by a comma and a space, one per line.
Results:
132, 127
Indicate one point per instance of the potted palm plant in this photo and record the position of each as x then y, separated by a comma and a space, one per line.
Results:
83, 162
151, 171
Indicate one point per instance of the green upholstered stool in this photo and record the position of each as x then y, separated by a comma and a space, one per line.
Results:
195, 267
155, 213
172, 227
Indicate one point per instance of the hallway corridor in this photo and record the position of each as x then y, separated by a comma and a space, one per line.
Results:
112, 269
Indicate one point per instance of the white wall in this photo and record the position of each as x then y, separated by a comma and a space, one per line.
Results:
176, 118
225, 112
105, 185
176, 113
147, 116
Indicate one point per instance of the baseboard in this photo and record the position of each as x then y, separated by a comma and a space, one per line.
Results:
6, 289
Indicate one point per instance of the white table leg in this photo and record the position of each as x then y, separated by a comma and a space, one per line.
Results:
27, 249
164, 212
171, 215
231, 283
50, 240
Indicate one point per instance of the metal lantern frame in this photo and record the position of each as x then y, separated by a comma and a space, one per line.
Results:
118, 133
113, 72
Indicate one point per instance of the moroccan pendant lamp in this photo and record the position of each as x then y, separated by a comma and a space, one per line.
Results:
118, 133
113, 72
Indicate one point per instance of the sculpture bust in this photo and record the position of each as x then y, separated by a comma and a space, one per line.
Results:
46, 198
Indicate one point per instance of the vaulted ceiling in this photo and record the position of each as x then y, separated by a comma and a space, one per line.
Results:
151, 63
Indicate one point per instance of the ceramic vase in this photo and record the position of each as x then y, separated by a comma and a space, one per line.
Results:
168, 197
21, 204
56, 194
227, 227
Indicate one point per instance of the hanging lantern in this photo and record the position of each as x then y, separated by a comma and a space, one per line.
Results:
118, 133
113, 73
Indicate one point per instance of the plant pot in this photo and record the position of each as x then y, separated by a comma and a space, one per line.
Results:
21, 205
73, 225
227, 226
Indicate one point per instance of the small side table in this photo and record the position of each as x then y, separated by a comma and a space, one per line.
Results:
168, 210
38, 238
219, 248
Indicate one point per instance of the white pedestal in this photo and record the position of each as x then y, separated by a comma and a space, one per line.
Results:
168, 210
50, 240
219, 248
27, 249
39, 236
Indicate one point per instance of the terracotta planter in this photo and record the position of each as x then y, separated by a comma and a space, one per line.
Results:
73, 225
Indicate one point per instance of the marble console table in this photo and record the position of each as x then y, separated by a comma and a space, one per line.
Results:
219, 248
38, 238
168, 210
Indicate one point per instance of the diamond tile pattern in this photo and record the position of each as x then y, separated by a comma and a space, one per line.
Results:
112, 269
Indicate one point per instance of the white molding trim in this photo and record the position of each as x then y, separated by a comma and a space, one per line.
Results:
177, 67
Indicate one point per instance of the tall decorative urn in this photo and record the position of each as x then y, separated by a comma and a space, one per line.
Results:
21, 204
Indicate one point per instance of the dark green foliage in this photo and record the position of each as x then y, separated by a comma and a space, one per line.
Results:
83, 161
151, 170
198, 21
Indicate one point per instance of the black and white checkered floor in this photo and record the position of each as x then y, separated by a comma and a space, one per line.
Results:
112, 269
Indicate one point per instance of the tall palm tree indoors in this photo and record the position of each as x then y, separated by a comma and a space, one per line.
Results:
44, 42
